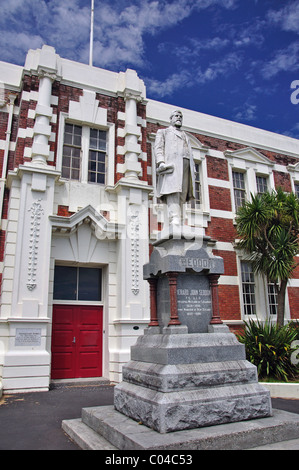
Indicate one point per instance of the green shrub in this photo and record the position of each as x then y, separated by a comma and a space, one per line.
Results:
269, 347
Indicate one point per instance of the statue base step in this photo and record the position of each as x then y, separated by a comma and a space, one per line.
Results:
104, 428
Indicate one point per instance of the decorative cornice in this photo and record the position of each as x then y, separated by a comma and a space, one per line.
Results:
89, 216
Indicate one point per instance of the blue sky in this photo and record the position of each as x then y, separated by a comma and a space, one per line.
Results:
234, 59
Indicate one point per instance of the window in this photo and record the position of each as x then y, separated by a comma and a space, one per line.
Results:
76, 283
197, 199
272, 298
197, 184
84, 154
248, 289
297, 189
261, 184
97, 156
71, 158
239, 189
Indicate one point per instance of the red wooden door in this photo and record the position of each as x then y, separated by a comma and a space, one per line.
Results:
77, 341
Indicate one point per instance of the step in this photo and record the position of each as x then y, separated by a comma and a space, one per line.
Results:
84, 436
126, 434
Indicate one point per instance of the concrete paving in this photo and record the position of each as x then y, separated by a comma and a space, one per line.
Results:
33, 421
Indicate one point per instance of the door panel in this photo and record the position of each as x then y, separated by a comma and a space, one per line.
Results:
77, 341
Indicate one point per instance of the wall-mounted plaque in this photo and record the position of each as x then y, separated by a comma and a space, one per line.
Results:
28, 337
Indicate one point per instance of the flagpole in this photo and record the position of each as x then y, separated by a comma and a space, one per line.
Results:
91, 33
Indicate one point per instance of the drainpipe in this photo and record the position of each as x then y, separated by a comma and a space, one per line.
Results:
12, 98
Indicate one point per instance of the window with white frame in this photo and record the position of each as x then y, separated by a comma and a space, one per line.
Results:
255, 294
198, 198
248, 289
71, 156
272, 298
297, 189
197, 184
250, 173
84, 154
97, 156
261, 184
239, 189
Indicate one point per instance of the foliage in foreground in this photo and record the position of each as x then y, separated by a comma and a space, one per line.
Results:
268, 228
269, 347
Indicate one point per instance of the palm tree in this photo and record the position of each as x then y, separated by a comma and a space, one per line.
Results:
268, 227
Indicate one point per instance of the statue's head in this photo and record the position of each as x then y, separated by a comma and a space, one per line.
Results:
176, 118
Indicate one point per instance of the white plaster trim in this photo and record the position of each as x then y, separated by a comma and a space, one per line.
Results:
228, 280
221, 214
224, 246
219, 183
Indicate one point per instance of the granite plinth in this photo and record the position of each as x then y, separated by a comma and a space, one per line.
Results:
185, 381
187, 348
170, 378
189, 409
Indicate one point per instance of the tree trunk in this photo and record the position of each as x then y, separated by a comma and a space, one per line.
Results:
281, 302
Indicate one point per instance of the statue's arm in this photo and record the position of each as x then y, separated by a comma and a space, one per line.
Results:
160, 147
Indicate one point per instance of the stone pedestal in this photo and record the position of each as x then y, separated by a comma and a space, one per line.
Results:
188, 384
185, 381
187, 370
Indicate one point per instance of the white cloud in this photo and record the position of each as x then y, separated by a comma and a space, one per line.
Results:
193, 47
64, 25
228, 64
188, 78
287, 17
167, 87
285, 60
19, 43
246, 113
119, 27
293, 132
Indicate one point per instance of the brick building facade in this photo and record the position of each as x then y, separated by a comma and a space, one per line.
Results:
79, 214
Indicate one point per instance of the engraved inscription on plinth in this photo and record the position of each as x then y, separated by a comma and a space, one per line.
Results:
194, 302
183, 280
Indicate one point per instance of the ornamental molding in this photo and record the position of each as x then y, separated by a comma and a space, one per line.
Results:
87, 110
248, 153
36, 215
134, 224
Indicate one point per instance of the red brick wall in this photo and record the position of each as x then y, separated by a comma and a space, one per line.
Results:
230, 261
294, 301
220, 198
217, 168
64, 211
222, 230
229, 302
283, 180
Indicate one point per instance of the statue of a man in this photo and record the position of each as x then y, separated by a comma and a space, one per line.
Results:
175, 168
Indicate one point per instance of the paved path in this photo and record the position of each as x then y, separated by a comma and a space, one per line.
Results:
32, 421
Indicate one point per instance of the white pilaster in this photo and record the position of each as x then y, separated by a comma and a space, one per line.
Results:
43, 112
132, 313
133, 91
27, 360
